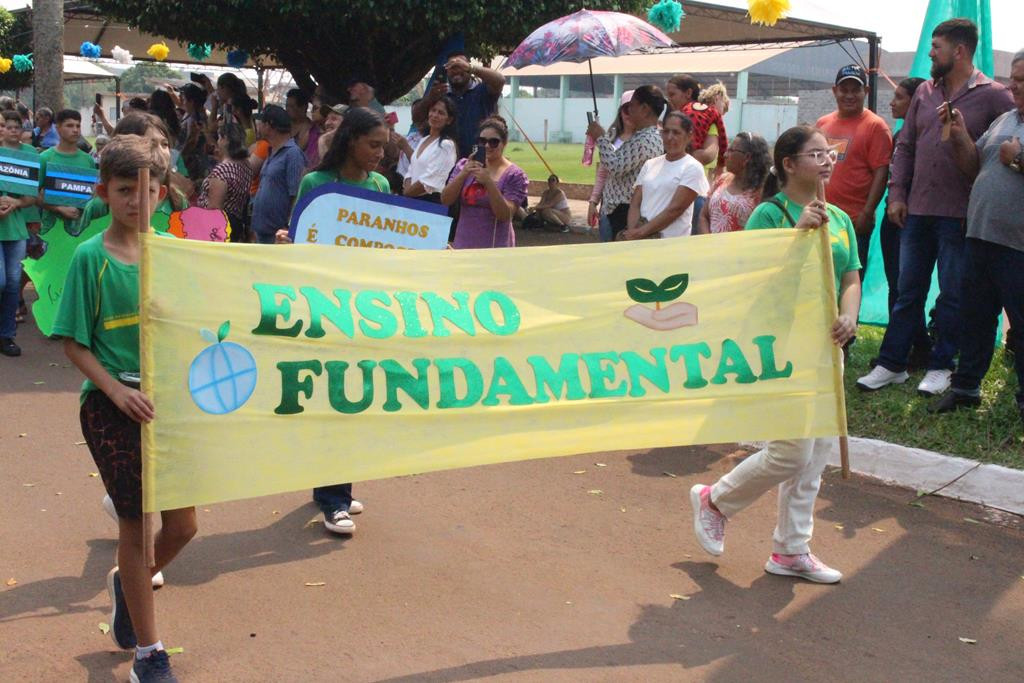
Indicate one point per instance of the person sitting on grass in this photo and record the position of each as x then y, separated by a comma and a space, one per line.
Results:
552, 209
98, 318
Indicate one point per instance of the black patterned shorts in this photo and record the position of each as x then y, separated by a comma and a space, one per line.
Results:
115, 441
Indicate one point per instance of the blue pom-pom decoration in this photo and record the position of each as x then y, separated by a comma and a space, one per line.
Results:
23, 63
90, 50
666, 15
237, 58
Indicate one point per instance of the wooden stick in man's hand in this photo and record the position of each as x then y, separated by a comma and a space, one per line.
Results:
947, 126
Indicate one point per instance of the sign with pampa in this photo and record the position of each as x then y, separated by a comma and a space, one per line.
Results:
347, 216
335, 365
69, 185
19, 172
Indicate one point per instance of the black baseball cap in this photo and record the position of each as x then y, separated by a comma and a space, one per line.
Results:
853, 71
275, 117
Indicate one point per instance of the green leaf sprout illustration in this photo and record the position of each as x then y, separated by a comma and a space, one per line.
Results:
645, 291
222, 331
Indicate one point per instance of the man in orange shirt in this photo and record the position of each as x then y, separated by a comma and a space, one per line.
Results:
863, 142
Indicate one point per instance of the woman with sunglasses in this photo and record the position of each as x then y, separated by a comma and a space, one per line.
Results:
738, 190
488, 193
803, 161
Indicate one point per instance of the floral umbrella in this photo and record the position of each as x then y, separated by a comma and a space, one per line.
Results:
584, 35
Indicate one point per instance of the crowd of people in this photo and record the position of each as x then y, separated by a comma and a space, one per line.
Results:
667, 170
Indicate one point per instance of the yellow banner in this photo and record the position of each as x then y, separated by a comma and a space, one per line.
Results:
278, 368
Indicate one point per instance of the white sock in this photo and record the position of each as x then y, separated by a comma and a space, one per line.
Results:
143, 652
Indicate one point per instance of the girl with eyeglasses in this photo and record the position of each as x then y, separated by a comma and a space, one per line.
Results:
488, 193
737, 191
803, 161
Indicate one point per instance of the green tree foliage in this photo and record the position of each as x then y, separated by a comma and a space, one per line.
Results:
15, 39
390, 43
145, 77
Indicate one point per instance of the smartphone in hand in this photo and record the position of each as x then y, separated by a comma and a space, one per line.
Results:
480, 154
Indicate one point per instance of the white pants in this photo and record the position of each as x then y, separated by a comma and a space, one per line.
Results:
796, 466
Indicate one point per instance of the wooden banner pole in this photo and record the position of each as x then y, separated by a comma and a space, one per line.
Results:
837, 353
148, 542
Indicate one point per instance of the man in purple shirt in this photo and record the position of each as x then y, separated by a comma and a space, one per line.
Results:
931, 211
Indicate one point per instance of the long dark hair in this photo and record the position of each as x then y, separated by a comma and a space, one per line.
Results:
788, 144
161, 104
449, 132
358, 122
235, 135
910, 85
759, 160
652, 96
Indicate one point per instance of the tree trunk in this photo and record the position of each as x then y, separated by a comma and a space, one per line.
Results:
48, 53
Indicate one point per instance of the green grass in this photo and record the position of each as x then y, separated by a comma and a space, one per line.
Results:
563, 159
991, 433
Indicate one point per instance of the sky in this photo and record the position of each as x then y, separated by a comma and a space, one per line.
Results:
898, 22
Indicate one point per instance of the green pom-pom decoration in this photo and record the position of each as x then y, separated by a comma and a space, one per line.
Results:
23, 63
199, 51
666, 15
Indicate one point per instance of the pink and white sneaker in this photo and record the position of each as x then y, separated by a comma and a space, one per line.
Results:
805, 566
708, 523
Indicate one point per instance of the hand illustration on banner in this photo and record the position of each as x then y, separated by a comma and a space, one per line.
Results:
642, 290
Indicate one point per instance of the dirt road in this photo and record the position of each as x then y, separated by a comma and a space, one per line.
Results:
523, 572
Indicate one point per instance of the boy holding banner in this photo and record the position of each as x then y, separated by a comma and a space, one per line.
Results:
99, 320
19, 181
65, 157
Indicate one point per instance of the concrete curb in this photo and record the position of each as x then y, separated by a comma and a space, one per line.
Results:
991, 485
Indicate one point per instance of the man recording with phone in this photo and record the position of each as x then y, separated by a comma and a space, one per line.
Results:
475, 91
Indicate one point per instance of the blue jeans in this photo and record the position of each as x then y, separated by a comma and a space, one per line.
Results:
993, 280
604, 228
12, 252
889, 241
698, 206
333, 497
925, 240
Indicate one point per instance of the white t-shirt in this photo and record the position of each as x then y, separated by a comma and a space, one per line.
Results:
660, 179
432, 163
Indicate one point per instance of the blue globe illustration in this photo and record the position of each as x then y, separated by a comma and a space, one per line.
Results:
222, 378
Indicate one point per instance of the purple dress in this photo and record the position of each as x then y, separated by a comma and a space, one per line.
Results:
477, 227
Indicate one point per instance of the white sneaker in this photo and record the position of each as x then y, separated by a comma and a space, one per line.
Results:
880, 377
935, 382
355, 507
108, 506
805, 566
708, 524
339, 522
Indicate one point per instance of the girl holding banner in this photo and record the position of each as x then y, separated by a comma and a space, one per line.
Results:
803, 162
356, 149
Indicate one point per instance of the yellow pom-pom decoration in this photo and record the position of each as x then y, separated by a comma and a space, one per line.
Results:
767, 12
5, 65
158, 51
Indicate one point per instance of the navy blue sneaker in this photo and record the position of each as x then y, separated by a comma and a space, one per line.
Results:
152, 668
120, 621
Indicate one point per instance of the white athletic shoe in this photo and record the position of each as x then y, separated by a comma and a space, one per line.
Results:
355, 507
805, 566
339, 522
708, 523
935, 383
108, 506
880, 377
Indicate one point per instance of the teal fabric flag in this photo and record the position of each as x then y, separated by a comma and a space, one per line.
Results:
874, 308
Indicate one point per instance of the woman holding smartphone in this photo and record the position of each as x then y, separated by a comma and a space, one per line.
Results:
488, 188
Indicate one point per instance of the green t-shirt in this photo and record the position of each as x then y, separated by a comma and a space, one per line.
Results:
51, 156
374, 181
13, 226
99, 308
843, 238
